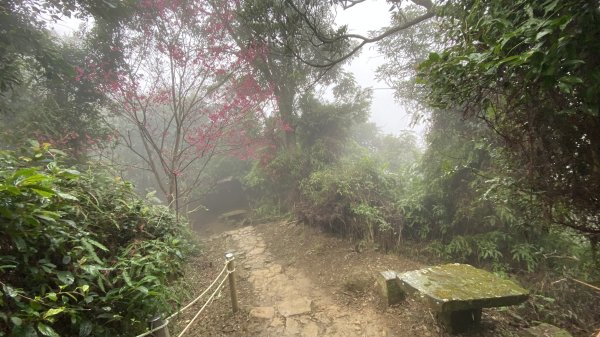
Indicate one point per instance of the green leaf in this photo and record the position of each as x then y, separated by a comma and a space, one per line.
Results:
53, 312
47, 215
564, 87
510, 59
72, 172
571, 80
16, 321
10, 291
43, 192
66, 277
8, 266
550, 5
101, 284
90, 250
85, 328
52, 296
66, 196
543, 33
126, 278
25, 331
11, 189
66, 259
28, 176
46, 330
97, 244
434, 57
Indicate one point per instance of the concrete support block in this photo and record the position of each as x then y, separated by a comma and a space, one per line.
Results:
460, 320
388, 287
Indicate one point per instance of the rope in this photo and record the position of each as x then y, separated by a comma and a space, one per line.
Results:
585, 284
155, 329
167, 320
200, 296
204, 306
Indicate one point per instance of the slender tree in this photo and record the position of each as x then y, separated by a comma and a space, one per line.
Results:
186, 91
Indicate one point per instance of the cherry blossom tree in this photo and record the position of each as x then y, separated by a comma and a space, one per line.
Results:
186, 91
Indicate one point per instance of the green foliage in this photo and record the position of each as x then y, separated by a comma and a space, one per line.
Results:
25, 45
461, 199
43, 94
62, 109
529, 70
81, 254
354, 197
322, 136
324, 127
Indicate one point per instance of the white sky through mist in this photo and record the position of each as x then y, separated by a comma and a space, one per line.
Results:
386, 113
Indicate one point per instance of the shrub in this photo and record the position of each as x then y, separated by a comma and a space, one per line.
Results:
80, 253
355, 197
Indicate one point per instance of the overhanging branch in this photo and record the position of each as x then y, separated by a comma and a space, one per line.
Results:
363, 39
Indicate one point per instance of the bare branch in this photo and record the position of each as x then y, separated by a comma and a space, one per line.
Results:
350, 3
363, 39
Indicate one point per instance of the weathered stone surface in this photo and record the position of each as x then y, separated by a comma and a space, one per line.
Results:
388, 287
308, 311
256, 251
311, 329
262, 312
292, 327
544, 330
454, 287
278, 322
296, 306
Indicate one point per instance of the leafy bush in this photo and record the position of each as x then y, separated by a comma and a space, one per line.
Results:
355, 197
80, 253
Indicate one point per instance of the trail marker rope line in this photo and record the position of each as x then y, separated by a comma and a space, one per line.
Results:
158, 328
202, 309
201, 295
228, 269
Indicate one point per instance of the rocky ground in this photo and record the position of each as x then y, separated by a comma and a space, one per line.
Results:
296, 281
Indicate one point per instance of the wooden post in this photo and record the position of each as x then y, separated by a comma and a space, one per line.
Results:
156, 322
232, 288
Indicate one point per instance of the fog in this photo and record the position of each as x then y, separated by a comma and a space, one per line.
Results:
386, 112
147, 144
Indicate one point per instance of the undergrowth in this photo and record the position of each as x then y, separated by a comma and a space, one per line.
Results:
80, 253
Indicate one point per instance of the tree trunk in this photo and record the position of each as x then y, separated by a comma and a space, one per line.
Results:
285, 102
173, 195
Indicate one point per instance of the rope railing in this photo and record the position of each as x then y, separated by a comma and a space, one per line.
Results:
202, 309
156, 329
201, 295
162, 329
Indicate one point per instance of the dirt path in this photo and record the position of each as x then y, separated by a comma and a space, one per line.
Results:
294, 280
290, 303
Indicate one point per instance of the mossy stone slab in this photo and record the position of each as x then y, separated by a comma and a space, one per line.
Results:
455, 287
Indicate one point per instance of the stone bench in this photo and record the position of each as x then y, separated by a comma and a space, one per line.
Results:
456, 292
234, 216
